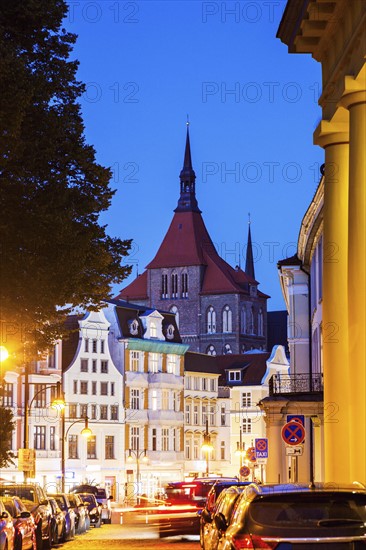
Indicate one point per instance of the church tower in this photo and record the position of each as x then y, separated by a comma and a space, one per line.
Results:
219, 309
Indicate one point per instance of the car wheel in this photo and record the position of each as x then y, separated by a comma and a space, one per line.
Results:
18, 543
47, 543
39, 542
98, 523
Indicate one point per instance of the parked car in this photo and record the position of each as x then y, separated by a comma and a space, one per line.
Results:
102, 496
184, 501
57, 522
210, 535
95, 512
296, 516
35, 500
7, 530
24, 526
68, 513
81, 512
211, 502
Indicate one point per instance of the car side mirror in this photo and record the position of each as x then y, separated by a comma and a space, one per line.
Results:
220, 522
25, 514
4, 515
110, 498
206, 516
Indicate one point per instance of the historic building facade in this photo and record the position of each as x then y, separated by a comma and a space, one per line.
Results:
219, 308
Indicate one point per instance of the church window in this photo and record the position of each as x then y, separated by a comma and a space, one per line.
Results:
211, 320
227, 320
251, 321
184, 278
211, 350
174, 310
174, 279
227, 349
164, 286
260, 322
243, 320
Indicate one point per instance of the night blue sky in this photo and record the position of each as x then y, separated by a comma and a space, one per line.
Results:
252, 108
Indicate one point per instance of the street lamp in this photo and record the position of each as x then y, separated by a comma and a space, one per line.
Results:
85, 432
137, 454
207, 447
240, 448
4, 354
58, 403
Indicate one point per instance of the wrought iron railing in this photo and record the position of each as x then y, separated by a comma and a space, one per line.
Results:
295, 383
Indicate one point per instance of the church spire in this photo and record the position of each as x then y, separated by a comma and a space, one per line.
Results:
249, 262
187, 201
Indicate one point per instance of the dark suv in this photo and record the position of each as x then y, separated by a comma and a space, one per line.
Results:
35, 500
283, 517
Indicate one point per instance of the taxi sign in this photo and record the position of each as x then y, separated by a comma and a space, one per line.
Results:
261, 448
293, 433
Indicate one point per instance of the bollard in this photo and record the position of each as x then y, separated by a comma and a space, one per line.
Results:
121, 518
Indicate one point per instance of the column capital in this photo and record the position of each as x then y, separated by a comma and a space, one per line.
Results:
354, 92
331, 133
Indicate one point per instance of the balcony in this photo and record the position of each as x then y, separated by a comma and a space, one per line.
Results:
281, 384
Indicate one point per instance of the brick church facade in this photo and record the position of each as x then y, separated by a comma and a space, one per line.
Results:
218, 308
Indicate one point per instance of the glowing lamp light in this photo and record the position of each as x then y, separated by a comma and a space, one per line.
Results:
4, 354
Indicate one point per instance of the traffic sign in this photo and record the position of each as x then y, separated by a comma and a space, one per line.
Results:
244, 471
293, 433
294, 451
251, 454
296, 418
261, 448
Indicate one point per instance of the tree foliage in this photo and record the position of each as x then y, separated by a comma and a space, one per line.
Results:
55, 254
6, 429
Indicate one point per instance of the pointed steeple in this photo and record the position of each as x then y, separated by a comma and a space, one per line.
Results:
187, 201
249, 262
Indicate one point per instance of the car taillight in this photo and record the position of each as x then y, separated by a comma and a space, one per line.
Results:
253, 542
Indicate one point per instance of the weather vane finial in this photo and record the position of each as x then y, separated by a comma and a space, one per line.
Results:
187, 123
249, 218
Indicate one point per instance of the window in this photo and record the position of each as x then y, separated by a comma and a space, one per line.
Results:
211, 320
187, 382
251, 321
195, 415
213, 384
84, 365
95, 346
73, 446
223, 415
165, 400
114, 412
104, 367
227, 349
135, 398
91, 447
222, 450
247, 425
40, 396
227, 320
154, 400
234, 376
153, 362
52, 438
188, 453
40, 438
243, 321
153, 330
204, 414
109, 447
246, 399
51, 358
104, 388
184, 281
174, 310
188, 413
260, 322
94, 365
75, 386
72, 410
134, 438
196, 381
154, 439
174, 282
8, 398
83, 411
196, 448
83, 387
165, 439
112, 388
93, 413
86, 345
164, 286
171, 364
211, 417
102, 346
176, 400
94, 388
134, 361
104, 412
211, 350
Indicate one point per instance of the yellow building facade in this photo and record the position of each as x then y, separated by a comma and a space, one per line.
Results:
333, 32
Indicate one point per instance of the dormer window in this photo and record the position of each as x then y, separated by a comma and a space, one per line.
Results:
133, 326
153, 330
234, 376
152, 322
170, 332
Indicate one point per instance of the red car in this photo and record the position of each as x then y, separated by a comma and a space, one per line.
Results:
24, 526
6, 529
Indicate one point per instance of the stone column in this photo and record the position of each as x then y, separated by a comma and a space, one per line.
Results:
276, 469
354, 100
334, 138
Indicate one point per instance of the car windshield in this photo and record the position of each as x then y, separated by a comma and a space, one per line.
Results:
308, 510
89, 498
25, 493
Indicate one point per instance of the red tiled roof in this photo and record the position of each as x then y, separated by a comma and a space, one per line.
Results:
137, 290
